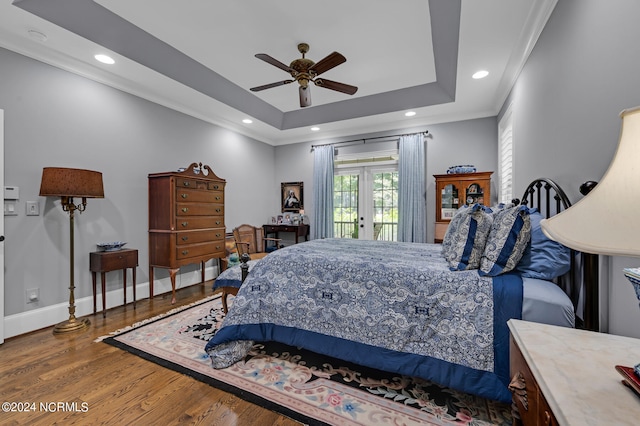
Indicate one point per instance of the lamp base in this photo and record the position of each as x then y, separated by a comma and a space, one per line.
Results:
71, 325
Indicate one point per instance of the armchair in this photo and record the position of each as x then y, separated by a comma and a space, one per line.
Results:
249, 241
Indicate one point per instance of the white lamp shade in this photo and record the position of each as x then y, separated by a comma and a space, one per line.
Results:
607, 220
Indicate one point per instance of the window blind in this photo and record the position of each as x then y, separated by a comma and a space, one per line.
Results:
505, 157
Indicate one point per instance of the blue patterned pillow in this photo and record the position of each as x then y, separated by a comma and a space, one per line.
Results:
466, 236
509, 237
448, 240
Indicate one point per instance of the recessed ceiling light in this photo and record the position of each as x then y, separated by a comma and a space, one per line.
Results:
247, 121
480, 74
315, 129
410, 113
105, 59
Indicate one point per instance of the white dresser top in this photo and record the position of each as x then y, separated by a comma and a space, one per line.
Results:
575, 372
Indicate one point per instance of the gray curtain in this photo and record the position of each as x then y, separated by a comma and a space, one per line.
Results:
322, 219
412, 220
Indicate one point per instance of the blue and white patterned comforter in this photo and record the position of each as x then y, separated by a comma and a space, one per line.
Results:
387, 305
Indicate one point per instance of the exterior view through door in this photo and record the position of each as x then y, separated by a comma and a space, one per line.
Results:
366, 203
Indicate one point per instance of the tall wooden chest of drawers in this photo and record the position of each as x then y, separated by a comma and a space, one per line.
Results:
186, 220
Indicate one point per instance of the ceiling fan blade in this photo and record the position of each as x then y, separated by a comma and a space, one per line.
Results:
323, 65
270, 85
275, 62
334, 85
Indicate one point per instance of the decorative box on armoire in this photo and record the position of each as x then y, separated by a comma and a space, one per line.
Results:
456, 190
186, 220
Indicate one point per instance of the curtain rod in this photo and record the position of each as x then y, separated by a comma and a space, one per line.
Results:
364, 140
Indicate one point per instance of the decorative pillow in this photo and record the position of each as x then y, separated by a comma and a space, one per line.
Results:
449, 236
543, 258
499, 207
466, 236
507, 241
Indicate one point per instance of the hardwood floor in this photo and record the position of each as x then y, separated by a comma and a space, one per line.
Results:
99, 384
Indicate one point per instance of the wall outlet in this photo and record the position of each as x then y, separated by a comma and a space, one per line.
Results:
33, 208
33, 295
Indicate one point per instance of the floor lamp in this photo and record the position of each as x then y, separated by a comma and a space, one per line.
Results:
69, 184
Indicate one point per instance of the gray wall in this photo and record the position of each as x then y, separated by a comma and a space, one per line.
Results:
582, 72
463, 142
55, 118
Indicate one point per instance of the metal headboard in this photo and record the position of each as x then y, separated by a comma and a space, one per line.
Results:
545, 195
540, 192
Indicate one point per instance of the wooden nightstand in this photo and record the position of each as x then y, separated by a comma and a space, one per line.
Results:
563, 376
107, 261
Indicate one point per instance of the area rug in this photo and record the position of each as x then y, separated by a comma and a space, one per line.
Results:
300, 384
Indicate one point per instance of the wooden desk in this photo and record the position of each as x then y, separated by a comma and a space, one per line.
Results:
107, 261
569, 377
297, 230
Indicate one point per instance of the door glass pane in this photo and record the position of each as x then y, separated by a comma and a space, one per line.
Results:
385, 206
450, 201
345, 206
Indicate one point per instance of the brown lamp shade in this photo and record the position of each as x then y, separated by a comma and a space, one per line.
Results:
64, 182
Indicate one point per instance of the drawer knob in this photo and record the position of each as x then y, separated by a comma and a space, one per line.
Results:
185, 224
185, 238
218, 222
184, 195
216, 187
218, 210
218, 198
218, 235
186, 183
185, 209
185, 252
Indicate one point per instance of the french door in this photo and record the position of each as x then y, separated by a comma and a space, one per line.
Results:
366, 203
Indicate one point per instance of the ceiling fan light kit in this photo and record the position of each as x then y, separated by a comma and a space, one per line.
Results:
305, 96
304, 70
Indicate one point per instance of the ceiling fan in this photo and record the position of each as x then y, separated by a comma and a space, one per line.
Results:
304, 70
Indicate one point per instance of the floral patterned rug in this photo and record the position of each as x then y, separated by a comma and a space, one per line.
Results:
305, 386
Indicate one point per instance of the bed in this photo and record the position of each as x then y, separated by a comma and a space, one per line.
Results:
399, 307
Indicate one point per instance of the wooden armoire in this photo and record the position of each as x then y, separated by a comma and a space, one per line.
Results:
186, 220
456, 190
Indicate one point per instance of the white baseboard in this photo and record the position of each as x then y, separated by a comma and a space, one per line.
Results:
25, 322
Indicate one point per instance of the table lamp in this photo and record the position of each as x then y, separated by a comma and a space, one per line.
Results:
69, 184
606, 220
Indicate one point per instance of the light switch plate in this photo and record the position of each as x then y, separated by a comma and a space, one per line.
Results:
10, 208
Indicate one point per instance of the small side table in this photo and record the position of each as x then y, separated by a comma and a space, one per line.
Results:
107, 261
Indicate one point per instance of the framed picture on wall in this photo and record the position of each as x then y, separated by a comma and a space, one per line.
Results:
292, 196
